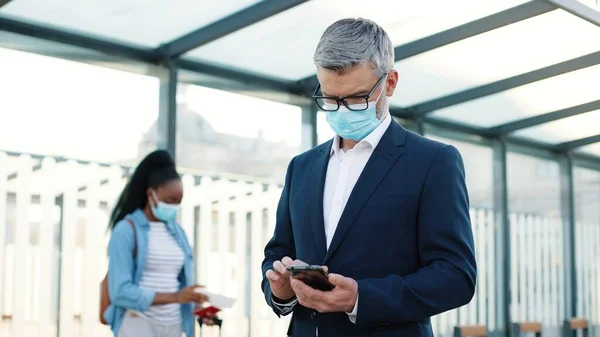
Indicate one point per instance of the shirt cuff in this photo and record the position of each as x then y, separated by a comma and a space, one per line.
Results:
352, 315
285, 308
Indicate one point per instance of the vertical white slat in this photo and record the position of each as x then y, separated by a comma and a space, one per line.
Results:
589, 270
554, 295
223, 258
522, 261
28, 261
444, 323
537, 314
247, 284
3, 190
212, 259
595, 295
530, 265
553, 282
482, 291
187, 207
463, 314
203, 233
23, 190
579, 238
561, 258
515, 230
262, 322
547, 249
243, 268
583, 273
491, 270
92, 249
47, 290
68, 178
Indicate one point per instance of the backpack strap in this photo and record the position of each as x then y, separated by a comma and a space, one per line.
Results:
134, 236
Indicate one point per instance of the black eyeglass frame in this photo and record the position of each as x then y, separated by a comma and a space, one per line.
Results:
342, 100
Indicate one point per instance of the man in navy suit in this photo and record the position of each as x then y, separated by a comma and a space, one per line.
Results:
384, 209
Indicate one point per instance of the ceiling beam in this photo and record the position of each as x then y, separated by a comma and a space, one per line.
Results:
573, 144
239, 76
79, 40
578, 63
486, 24
4, 3
135, 53
232, 23
578, 9
510, 139
545, 118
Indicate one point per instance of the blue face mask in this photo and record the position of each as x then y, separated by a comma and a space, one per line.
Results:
354, 125
163, 211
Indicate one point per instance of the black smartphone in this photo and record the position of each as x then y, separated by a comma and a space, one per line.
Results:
314, 276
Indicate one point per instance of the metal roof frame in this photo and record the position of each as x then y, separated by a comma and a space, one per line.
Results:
504, 18
232, 23
175, 50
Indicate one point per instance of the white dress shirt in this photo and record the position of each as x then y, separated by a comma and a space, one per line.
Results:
343, 171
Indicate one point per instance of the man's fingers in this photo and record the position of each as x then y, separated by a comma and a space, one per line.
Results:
272, 276
279, 267
325, 268
299, 263
340, 281
287, 261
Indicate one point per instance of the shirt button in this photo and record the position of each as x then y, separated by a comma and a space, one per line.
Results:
313, 315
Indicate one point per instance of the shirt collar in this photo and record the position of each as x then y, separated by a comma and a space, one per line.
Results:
372, 139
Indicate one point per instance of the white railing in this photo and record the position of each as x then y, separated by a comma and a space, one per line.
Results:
47, 239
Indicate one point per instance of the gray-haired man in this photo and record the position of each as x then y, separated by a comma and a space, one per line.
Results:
384, 209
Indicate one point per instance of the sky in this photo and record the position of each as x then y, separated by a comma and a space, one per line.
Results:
52, 106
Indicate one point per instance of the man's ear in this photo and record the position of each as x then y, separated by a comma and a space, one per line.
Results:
391, 82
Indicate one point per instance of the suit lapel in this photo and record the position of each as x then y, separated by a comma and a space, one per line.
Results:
383, 158
317, 220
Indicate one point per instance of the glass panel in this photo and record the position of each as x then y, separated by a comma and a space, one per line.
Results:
290, 38
517, 48
479, 173
112, 110
128, 20
71, 53
587, 243
591, 149
565, 130
245, 144
545, 96
594, 4
536, 242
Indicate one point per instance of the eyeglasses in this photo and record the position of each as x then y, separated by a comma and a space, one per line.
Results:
354, 103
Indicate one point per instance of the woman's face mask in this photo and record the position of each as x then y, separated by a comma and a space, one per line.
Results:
163, 211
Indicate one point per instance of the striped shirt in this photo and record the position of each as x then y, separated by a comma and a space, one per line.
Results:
165, 261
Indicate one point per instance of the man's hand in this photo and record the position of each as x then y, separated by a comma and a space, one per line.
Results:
279, 278
341, 299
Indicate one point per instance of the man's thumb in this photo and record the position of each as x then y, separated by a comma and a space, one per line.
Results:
338, 280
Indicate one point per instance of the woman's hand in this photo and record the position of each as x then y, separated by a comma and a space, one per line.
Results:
209, 320
189, 295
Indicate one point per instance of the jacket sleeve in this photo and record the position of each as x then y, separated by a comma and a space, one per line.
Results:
280, 245
121, 266
447, 277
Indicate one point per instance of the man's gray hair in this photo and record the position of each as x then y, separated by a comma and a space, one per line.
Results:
350, 42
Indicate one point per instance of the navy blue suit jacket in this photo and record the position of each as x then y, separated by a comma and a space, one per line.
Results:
405, 236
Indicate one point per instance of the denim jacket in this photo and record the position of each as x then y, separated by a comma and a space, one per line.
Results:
125, 271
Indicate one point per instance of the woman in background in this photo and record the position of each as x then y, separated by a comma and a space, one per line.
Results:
150, 274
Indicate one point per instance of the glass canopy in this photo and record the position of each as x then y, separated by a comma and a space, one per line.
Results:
293, 35
516, 68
